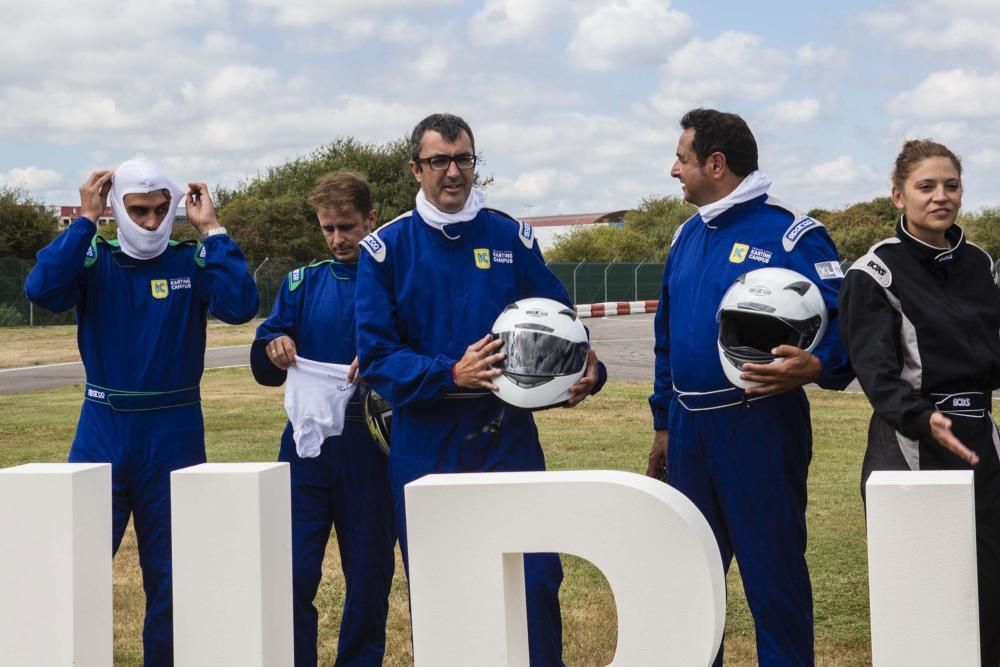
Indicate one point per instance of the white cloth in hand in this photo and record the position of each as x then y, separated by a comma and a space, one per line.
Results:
316, 396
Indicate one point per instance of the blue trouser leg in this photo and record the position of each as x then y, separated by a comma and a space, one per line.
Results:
366, 534
346, 488
311, 523
689, 472
542, 577
143, 449
746, 468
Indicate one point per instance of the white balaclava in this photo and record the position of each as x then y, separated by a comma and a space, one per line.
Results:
142, 176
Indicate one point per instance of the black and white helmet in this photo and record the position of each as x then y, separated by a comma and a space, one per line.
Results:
762, 310
378, 417
546, 347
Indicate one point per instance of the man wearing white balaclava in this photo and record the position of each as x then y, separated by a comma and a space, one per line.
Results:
141, 306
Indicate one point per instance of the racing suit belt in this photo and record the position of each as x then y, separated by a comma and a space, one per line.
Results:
121, 400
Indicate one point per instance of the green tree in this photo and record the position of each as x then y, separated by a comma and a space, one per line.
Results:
646, 235
856, 228
983, 229
269, 216
25, 225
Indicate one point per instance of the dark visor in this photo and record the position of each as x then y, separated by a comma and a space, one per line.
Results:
540, 354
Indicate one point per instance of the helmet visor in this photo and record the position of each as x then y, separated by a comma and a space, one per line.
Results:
542, 355
756, 331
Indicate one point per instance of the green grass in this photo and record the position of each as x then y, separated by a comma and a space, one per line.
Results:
610, 431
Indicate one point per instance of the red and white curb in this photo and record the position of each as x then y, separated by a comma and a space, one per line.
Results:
613, 308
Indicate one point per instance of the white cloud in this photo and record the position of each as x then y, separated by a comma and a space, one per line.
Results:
733, 66
32, 179
628, 33
795, 112
514, 21
236, 82
536, 185
952, 93
964, 26
843, 170
306, 13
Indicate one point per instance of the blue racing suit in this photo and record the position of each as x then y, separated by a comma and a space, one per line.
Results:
346, 487
428, 295
141, 334
745, 463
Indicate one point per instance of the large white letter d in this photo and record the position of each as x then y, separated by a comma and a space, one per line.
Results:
467, 534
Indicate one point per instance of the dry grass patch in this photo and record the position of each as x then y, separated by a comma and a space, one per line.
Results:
36, 346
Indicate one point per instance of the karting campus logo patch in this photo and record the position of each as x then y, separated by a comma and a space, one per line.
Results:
180, 283
738, 253
158, 288
503, 257
482, 256
760, 255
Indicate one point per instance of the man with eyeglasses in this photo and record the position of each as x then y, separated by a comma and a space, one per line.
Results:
435, 280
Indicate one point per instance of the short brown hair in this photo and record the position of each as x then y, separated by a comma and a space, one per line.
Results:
342, 190
914, 152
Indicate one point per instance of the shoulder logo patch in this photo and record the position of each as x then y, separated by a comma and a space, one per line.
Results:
874, 267
738, 253
482, 257
295, 277
798, 228
526, 234
829, 270
373, 244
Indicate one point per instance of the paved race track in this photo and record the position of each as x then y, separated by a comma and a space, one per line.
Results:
624, 344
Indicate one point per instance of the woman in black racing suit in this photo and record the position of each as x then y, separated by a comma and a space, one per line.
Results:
920, 317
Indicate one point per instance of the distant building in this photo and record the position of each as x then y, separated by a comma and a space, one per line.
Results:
548, 227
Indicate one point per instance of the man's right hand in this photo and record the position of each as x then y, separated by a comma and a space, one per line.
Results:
657, 465
281, 352
475, 370
94, 195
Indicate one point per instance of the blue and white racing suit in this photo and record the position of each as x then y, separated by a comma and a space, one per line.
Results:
428, 295
745, 463
141, 334
346, 487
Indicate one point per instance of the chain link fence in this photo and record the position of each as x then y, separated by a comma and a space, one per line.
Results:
585, 282
597, 282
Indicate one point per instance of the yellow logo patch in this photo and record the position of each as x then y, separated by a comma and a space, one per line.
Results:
158, 288
738, 253
482, 256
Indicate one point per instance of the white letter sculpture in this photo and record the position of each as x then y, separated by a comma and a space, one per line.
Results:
467, 534
922, 568
232, 560
55, 565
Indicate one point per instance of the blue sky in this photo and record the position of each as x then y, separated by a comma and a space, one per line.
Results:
574, 103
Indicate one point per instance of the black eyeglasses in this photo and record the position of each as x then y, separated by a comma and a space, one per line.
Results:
443, 162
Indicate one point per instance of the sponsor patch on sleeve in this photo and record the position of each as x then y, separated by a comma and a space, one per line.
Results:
526, 234
829, 270
874, 267
795, 232
373, 244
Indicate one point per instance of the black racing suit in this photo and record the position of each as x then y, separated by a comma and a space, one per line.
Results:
922, 329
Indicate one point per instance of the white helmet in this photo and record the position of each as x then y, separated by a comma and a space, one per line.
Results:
546, 347
762, 310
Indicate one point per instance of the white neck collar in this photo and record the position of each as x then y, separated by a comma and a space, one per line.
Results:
752, 186
437, 218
